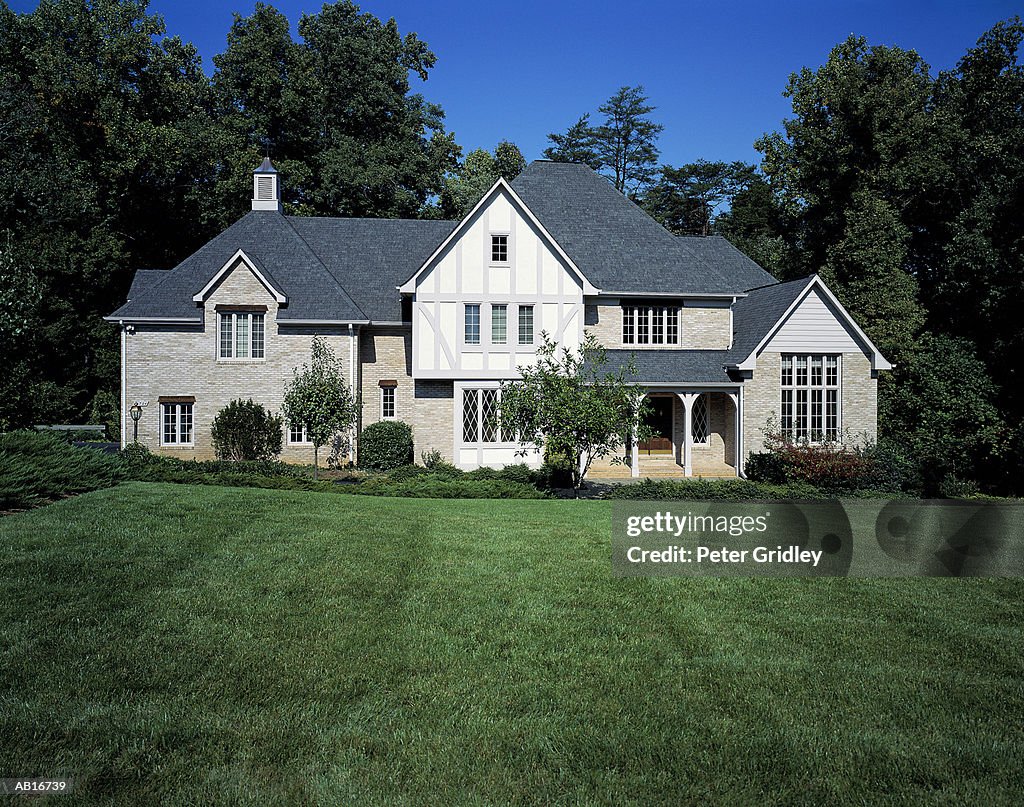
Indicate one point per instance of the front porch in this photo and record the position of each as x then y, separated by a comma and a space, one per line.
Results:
694, 435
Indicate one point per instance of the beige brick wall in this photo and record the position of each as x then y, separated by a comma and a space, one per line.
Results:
424, 405
762, 399
701, 327
165, 361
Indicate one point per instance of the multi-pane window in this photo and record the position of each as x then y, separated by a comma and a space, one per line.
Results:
387, 402
650, 325
241, 335
472, 323
499, 249
297, 433
177, 424
526, 324
700, 426
481, 421
499, 324
810, 397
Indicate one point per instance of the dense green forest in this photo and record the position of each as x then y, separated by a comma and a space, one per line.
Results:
904, 189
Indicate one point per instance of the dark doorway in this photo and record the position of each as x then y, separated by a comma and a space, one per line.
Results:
659, 421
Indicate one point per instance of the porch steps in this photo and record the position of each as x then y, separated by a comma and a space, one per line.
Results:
660, 467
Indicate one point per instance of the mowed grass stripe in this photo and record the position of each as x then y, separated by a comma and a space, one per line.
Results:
196, 644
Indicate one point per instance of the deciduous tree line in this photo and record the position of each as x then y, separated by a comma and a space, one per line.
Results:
902, 188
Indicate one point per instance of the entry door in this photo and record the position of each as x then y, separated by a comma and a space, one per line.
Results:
659, 421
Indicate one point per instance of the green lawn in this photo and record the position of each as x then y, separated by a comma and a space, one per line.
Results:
201, 645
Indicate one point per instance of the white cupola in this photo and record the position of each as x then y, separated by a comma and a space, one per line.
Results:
266, 189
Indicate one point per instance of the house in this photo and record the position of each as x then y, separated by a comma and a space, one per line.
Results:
429, 317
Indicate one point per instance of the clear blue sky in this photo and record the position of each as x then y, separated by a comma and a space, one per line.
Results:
715, 70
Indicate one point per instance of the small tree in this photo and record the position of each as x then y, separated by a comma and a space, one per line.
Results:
572, 399
319, 398
245, 430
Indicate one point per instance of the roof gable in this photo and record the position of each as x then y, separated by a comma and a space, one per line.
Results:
759, 317
499, 187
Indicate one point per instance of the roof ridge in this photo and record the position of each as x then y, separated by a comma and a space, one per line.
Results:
368, 218
320, 261
808, 278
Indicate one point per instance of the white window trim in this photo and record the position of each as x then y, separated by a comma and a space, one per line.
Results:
533, 325
304, 442
177, 424
630, 315
490, 309
394, 403
478, 345
809, 387
460, 389
508, 248
232, 359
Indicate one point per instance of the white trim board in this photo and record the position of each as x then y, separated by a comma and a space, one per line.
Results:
227, 267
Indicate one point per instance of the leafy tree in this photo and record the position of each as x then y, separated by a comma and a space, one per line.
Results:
572, 399
940, 404
336, 109
481, 169
687, 200
321, 399
245, 430
626, 143
577, 145
756, 223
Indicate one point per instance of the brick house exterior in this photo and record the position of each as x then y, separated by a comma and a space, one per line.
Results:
427, 318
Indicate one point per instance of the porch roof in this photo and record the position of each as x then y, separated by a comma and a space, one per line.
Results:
674, 366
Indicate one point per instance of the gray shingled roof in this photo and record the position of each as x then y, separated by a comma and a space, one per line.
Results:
348, 269
618, 246
278, 252
755, 315
668, 366
372, 257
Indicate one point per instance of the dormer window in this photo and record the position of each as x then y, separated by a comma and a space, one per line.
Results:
241, 334
499, 248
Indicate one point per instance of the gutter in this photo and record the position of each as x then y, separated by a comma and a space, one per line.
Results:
156, 320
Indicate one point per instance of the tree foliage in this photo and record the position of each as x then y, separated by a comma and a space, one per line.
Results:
623, 147
319, 398
574, 400
465, 186
688, 199
118, 153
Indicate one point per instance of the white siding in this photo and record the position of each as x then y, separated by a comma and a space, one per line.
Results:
814, 326
463, 273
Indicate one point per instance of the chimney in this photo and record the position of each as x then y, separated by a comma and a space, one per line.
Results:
266, 191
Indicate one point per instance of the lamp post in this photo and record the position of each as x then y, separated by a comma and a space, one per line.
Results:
136, 413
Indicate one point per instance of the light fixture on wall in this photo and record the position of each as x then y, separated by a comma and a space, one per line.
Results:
136, 413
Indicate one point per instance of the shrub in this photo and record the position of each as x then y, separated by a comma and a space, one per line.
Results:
135, 456
39, 467
431, 486
766, 466
404, 473
726, 490
895, 469
245, 430
385, 444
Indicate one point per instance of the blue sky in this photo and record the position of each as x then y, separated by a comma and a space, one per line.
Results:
715, 70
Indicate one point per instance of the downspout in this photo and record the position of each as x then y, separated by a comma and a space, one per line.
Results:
352, 386
124, 383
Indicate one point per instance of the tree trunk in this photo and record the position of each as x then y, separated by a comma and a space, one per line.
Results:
316, 459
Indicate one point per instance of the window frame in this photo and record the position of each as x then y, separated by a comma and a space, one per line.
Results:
499, 247
386, 393
178, 408
810, 397
481, 424
503, 307
465, 323
252, 318
520, 310
305, 441
651, 325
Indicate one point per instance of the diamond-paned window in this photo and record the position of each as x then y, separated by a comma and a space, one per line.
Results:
470, 415
699, 423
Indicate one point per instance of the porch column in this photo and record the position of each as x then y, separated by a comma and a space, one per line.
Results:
687, 401
735, 398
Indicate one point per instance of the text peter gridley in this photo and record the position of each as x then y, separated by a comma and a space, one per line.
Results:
666, 522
